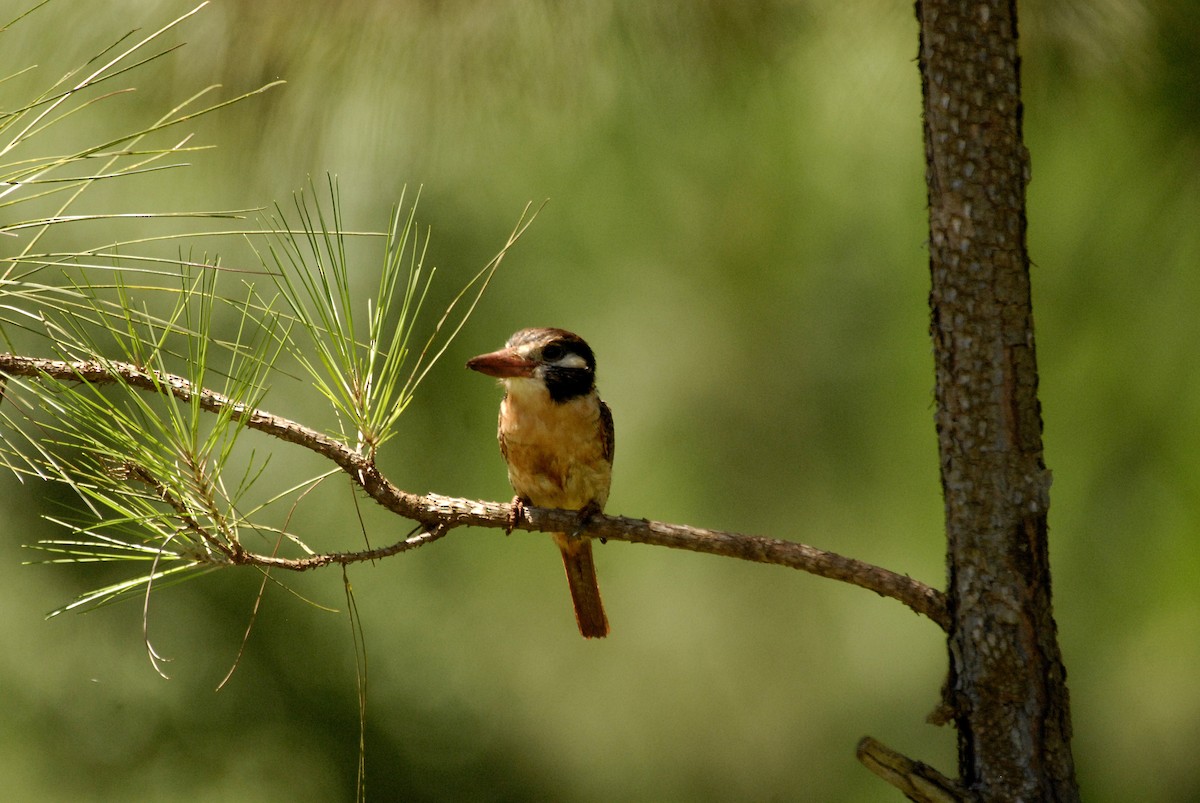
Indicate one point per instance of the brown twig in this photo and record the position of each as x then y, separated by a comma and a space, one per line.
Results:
918, 781
437, 514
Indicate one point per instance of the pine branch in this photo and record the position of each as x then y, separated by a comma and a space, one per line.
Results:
437, 514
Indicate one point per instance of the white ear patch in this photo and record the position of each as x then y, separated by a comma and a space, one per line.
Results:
571, 360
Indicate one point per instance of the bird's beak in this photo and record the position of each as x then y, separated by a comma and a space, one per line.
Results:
504, 363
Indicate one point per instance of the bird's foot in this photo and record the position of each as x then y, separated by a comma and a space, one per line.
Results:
586, 513
514, 514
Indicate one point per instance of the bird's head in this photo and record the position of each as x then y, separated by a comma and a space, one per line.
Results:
558, 359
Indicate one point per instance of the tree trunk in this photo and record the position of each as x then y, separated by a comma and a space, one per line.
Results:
1007, 688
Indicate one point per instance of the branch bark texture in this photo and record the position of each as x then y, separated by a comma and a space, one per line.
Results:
1007, 685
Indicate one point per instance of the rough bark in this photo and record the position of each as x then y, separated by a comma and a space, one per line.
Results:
1007, 687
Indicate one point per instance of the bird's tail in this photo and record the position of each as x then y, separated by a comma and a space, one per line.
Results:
585, 591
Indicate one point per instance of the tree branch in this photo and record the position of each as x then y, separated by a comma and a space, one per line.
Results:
918, 781
438, 514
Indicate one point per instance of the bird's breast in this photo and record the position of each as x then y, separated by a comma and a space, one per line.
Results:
555, 451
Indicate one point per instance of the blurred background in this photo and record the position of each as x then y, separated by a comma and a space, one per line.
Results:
736, 224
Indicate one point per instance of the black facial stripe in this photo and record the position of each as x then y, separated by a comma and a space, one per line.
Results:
565, 384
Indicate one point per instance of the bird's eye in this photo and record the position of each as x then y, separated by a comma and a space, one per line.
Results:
553, 352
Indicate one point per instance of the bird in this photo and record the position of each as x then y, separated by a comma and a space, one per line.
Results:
556, 436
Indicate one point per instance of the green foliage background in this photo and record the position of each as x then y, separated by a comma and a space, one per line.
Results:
736, 224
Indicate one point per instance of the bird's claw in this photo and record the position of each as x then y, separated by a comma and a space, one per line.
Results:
515, 513
585, 516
